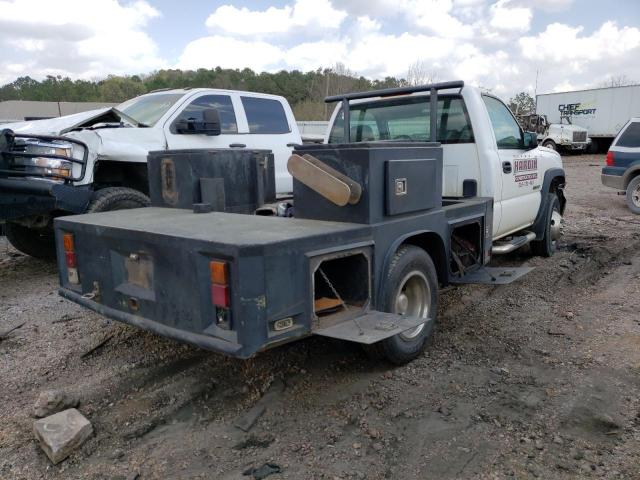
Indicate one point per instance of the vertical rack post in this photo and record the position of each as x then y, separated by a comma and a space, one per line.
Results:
346, 115
433, 111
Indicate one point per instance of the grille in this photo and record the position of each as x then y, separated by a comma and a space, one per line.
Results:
579, 136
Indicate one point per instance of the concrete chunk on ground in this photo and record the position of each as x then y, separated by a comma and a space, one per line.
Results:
62, 433
53, 401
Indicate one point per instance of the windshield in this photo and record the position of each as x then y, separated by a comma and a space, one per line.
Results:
148, 109
405, 119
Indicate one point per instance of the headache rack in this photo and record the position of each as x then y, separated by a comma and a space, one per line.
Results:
392, 92
10, 149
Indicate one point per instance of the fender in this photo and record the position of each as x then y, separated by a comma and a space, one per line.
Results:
632, 172
549, 176
440, 263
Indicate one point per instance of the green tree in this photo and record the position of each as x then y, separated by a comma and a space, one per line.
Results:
522, 104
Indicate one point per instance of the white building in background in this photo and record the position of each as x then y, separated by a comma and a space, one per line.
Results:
19, 110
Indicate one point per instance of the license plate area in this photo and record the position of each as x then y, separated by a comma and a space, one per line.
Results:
134, 274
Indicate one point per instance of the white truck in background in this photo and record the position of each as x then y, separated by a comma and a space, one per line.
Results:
97, 161
557, 136
602, 111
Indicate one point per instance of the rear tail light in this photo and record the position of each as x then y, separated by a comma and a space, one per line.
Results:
219, 283
610, 161
70, 258
220, 295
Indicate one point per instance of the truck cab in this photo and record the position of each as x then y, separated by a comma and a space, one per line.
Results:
96, 161
485, 153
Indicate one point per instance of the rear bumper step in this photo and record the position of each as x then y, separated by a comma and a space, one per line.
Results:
197, 339
493, 275
371, 327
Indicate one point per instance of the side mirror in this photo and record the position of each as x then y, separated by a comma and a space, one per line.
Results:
210, 124
530, 140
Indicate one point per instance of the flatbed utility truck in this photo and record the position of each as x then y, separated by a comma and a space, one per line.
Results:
357, 253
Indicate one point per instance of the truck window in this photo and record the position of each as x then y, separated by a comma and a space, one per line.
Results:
405, 119
630, 137
148, 109
265, 115
505, 127
222, 103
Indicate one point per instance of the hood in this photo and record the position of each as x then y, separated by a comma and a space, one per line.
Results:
573, 128
60, 125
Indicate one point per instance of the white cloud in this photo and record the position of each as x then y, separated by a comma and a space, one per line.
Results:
315, 14
77, 38
437, 17
561, 43
226, 52
545, 5
507, 17
486, 42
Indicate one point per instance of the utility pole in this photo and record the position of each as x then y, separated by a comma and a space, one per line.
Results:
535, 93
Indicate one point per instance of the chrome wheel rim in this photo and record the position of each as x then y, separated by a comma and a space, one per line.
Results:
557, 226
635, 196
413, 299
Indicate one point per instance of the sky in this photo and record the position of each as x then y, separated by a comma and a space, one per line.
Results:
502, 45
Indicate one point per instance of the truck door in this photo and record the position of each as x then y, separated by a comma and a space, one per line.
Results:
460, 154
270, 128
521, 180
193, 110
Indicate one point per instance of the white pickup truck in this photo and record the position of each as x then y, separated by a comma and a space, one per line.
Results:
557, 136
486, 153
96, 161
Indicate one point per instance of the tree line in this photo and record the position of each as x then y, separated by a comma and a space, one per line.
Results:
305, 91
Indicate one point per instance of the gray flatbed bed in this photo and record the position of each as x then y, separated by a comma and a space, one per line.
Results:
215, 227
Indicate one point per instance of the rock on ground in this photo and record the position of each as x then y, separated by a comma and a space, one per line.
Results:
53, 401
62, 433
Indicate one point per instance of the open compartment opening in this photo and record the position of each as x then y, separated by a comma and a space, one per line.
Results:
341, 286
466, 248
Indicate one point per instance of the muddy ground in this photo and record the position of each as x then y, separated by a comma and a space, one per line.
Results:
538, 379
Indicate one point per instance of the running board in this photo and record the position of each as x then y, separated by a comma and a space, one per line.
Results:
371, 327
514, 244
493, 275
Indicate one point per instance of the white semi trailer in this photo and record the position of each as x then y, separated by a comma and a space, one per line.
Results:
602, 111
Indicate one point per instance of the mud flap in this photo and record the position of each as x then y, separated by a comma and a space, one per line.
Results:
493, 275
371, 327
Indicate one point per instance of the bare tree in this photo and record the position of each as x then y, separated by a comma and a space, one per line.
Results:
338, 79
420, 73
618, 81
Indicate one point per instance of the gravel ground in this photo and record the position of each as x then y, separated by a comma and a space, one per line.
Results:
537, 379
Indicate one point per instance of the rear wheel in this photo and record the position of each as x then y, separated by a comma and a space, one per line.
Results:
633, 195
35, 242
117, 198
410, 288
550, 144
546, 246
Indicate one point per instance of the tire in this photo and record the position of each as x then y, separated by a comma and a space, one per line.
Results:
35, 242
117, 198
411, 287
633, 195
551, 145
546, 246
